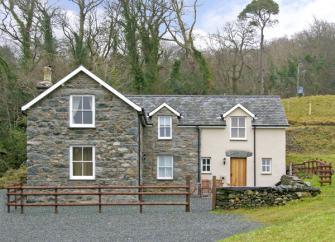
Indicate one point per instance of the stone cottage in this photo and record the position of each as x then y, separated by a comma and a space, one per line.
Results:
80, 130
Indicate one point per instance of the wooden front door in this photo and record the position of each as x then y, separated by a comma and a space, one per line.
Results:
238, 172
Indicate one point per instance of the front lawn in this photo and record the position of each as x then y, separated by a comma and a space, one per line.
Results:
312, 219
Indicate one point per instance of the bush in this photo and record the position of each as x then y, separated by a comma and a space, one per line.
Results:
14, 176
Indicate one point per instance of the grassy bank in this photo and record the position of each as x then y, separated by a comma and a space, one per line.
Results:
322, 110
13, 176
312, 219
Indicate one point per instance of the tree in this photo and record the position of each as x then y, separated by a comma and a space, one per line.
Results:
18, 22
182, 34
78, 38
46, 18
231, 45
260, 14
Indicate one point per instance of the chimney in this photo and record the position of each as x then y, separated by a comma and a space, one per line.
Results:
46, 83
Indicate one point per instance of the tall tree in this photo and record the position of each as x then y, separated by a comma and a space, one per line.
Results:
77, 37
231, 46
260, 14
18, 22
182, 34
46, 19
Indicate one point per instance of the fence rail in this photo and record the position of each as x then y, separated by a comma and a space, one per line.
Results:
17, 195
313, 167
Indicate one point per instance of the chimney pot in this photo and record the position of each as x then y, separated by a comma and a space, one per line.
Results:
47, 81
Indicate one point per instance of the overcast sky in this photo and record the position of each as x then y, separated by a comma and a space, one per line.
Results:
294, 16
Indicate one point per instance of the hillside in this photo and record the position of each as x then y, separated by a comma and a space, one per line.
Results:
322, 110
311, 135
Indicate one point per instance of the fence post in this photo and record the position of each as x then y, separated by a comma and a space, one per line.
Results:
56, 200
8, 200
213, 192
21, 199
15, 198
99, 191
140, 196
188, 195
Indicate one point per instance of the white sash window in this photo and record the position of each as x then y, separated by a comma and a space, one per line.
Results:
82, 111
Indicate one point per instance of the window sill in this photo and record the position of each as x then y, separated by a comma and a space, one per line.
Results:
82, 178
206, 173
266, 173
164, 179
237, 139
82, 127
165, 138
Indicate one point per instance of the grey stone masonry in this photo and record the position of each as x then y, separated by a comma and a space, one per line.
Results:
49, 137
183, 147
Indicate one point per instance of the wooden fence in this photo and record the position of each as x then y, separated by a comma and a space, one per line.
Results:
17, 195
313, 167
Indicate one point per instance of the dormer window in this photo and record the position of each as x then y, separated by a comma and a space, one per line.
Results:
82, 111
164, 127
238, 128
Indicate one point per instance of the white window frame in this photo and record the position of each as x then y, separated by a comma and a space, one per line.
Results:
72, 177
73, 125
159, 125
269, 165
202, 165
164, 178
238, 127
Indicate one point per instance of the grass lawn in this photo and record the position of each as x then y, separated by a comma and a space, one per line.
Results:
312, 219
323, 111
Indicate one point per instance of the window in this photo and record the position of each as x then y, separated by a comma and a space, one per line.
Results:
266, 165
82, 162
82, 111
238, 128
165, 167
206, 165
164, 127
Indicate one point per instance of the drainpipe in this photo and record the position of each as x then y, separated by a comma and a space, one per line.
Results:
254, 155
139, 149
199, 161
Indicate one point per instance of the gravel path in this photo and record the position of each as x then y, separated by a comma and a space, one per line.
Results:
164, 223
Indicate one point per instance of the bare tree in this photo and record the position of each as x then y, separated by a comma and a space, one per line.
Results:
230, 46
18, 23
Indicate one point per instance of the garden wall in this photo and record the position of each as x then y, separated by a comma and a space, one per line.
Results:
252, 197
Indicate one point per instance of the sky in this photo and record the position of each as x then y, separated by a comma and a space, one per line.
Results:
294, 15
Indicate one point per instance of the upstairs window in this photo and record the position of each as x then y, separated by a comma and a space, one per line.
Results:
206, 165
238, 129
266, 165
82, 111
164, 127
82, 162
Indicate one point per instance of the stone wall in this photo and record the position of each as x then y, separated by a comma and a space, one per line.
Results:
252, 197
49, 137
183, 147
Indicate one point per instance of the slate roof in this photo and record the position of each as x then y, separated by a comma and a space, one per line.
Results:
206, 110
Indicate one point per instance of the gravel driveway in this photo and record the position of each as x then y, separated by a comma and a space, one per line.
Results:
163, 223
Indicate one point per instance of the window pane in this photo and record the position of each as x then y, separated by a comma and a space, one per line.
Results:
161, 172
241, 132
87, 169
87, 102
161, 121
161, 161
87, 154
168, 172
77, 168
204, 168
77, 117
234, 122
168, 161
76, 153
241, 122
167, 132
87, 117
234, 132
208, 168
161, 132
77, 102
